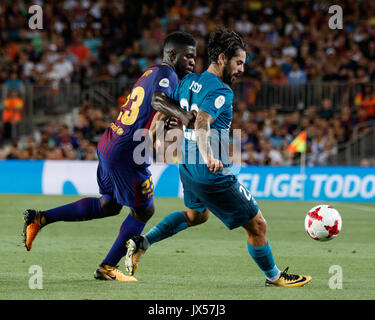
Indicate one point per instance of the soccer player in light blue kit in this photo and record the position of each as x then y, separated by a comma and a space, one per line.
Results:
207, 185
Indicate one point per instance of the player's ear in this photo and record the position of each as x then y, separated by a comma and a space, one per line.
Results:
172, 56
222, 59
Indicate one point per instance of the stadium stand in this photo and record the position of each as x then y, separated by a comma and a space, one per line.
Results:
300, 75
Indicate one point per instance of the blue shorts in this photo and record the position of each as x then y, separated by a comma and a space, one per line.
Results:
124, 183
230, 201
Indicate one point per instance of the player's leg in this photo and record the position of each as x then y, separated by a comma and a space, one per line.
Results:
177, 221
132, 187
173, 223
242, 210
260, 250
167, 227
81, 210
259, 247
133, 225
88, 208
236, 208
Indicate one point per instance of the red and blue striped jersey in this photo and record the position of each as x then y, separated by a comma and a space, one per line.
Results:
123, 135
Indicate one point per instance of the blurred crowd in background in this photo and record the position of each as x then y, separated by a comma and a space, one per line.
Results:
91, 41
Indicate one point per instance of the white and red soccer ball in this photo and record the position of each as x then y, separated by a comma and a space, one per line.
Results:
323, 223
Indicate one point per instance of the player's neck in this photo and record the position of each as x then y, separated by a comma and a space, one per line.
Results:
216, 70
168, 64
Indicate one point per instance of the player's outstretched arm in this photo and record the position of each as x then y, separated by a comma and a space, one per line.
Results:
202, 133
156, 126
161, 103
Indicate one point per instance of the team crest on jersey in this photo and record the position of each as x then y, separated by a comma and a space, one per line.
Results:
164, 83
219, 102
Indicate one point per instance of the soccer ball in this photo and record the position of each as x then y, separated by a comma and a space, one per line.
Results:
323, 222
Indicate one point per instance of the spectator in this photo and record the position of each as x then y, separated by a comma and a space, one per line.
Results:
63, 68
114, 66
14, 152
272, 155
289, 49
15, 83
365, 162
65, 139
293, 24
79, 49
366, 100
178, 10
296, 76
12, 114
243, 25
326, 111
93, 43
287, 65
321, 148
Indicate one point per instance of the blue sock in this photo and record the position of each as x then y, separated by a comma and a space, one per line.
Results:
129, 228
264, 259
170, 225
84, 209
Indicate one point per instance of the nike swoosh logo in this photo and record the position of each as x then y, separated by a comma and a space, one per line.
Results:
298, 281
111, 277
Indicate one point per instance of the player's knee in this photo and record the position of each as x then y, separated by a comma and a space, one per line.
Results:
257, 226
195, 218
260, 226
143, 215
110, 208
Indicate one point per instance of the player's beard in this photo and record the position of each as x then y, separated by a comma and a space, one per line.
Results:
227, 74
182, 70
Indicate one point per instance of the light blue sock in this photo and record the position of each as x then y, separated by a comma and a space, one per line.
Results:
264, 259
170, 225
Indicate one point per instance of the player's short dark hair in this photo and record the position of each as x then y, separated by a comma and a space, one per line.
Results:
224, 41
178, 40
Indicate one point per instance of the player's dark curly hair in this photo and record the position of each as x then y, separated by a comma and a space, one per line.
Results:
178, 40
224, 41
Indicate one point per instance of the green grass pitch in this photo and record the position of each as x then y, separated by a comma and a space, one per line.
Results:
206, 262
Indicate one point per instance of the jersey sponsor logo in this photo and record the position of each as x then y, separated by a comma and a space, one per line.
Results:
147, 73
118, 130
195, 87
164, 83
219, 102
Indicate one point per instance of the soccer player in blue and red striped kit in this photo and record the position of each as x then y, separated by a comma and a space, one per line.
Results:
123, 178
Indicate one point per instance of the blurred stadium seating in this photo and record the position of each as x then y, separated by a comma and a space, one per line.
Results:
300, 75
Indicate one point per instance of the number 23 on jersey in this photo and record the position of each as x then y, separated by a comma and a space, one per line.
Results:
129, 116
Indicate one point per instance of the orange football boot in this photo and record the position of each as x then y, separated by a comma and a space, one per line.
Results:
289, 280
107, 272
31, 227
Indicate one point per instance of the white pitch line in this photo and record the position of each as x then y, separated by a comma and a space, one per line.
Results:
358, 207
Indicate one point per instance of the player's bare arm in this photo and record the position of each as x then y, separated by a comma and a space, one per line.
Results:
202, 132
171, 108
157, 125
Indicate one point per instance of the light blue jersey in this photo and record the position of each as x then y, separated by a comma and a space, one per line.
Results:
208, 93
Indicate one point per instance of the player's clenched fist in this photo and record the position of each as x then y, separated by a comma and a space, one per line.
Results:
188, 119
213, 164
